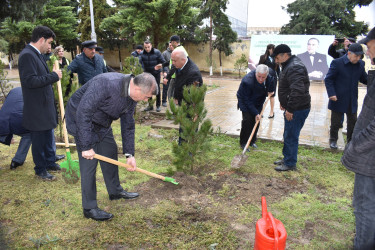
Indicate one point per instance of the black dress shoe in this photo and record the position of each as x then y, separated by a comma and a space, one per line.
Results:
149, 108
123, 195
253, 145
333, 144
46, 176
279, 162
59, 157
284, 167
97, 214
271, 116
14, 165
55, 167
247, 150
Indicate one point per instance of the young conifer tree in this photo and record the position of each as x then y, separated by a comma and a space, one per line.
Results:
195, 129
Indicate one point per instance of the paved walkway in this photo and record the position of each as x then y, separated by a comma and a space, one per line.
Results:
221, 104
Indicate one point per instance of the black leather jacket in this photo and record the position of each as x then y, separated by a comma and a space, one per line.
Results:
294, 85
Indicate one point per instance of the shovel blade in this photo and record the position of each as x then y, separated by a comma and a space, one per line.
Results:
70, 171
239, 160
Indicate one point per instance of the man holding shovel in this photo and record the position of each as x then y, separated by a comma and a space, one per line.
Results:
89, 115
251, 96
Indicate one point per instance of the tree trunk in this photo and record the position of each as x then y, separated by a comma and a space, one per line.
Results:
119, 56
221, 66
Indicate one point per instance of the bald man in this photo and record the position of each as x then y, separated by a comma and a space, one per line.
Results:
187, 72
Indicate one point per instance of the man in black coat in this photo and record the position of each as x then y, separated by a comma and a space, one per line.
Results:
89, 115
316, 63
187, 72
39, 111
295, 101
151, 61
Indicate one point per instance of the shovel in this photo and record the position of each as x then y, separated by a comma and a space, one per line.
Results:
69, 168
239, 160
114, 162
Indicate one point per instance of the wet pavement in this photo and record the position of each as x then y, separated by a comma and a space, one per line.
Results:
221, 104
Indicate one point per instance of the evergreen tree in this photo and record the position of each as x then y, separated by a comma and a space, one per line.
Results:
195, 129
156, 20
214, 11
132, 66
224, 37
59, 17
241, 64
324, 17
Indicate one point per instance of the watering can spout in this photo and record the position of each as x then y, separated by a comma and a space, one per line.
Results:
270, 232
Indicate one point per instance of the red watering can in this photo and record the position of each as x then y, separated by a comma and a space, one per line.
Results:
270, 232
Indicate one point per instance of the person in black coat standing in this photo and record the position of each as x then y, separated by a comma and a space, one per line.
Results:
151, 61
39, 111
187, 73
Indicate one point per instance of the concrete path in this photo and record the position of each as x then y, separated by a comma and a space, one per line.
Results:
221, 104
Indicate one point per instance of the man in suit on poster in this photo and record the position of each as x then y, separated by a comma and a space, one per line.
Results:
315, 63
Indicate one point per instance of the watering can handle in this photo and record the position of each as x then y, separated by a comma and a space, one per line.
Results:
275, 232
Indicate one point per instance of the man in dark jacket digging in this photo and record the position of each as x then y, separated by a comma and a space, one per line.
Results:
252, 93
295, 101
89, 115
359, 157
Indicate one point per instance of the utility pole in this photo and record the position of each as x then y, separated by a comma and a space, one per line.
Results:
93, 34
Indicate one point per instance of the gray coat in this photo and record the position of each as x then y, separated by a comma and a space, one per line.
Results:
92, 109
359, 154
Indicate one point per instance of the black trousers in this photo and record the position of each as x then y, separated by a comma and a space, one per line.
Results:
107, 147
336, 121
44, 153
157, 77
247, 125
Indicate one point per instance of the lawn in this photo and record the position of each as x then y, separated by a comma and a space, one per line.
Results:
216, 208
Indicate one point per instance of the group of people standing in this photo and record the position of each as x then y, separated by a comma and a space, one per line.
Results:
341, 81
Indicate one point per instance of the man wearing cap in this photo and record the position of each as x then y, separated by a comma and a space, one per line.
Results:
342, 88
138, 50
295, 101
339, 53
100, 51
87, 64
359, 157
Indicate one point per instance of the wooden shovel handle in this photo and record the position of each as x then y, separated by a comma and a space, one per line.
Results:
118, 163
62, 109
255, 126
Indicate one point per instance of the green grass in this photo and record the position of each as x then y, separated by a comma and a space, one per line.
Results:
317, 213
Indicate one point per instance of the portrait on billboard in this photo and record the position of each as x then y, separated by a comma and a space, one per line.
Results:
315, 62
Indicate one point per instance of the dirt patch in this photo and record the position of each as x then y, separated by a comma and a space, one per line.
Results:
226, 187
217, 196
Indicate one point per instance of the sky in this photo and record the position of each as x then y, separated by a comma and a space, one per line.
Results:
270, 14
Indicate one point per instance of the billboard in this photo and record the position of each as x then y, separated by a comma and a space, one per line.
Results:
311, 49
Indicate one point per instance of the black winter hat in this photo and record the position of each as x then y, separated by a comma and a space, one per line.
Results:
370, 36
281, 48
356, 48
139, 47
175, 38
89, 44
